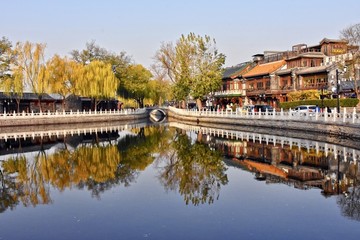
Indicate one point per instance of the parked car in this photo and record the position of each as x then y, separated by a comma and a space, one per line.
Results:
247, 108
263, 108
304, 110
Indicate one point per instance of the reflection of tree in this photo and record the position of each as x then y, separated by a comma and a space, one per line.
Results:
97, 166
350, 203
194, 170
137, 152
23, 182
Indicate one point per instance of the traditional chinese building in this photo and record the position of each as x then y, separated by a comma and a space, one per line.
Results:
261, 81
233, 88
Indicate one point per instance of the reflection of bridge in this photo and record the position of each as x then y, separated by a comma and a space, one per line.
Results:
344, 152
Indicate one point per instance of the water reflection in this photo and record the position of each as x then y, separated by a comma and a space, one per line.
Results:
99, 161
96, 161
193, 169
189, 160
300, 163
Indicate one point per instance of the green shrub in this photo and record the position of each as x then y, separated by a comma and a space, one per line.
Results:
330, 103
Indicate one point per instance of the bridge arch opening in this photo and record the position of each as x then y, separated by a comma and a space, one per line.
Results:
157, 115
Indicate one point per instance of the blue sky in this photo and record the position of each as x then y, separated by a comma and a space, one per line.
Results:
138, 27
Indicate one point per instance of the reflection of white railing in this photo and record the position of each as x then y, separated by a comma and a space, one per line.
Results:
78, 113
351, 117
69, 132
345, 152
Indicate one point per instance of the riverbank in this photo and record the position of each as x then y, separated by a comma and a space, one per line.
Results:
325, 123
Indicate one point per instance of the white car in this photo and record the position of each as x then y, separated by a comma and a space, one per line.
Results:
304, 110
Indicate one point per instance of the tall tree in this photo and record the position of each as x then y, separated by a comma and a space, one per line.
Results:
119, 62
98, 82
11, 76
136, 82
63, 76
159, 91
352, 35
5, 57
194, 65
31, 63
91, 53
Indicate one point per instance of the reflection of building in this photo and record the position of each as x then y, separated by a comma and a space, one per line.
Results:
301, 163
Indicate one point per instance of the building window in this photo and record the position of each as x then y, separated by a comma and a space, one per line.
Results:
260, 85
267, 84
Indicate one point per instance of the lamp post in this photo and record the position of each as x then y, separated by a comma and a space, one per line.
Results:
338, 90
338, 87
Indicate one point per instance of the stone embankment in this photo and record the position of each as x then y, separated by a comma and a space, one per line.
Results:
50, 118
327, 124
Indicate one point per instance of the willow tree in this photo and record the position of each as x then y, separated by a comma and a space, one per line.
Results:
31, 63
11, 76
63, 75
98, 82
194, 65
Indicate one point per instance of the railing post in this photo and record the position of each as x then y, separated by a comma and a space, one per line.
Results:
281, 112
344, 115
335, 115
259, 112
353, 115
274, 112
326, 114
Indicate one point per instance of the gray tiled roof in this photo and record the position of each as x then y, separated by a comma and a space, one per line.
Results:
309, 70
27, 96
231, 71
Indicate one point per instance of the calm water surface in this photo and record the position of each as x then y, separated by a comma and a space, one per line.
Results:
177, 182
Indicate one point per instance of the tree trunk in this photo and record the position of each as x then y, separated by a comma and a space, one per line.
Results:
199, 104
18, 105
40, 104
183, 104
63, 103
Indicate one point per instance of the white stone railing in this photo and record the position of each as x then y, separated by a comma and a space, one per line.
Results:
59, 114
346, 116
230, 92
